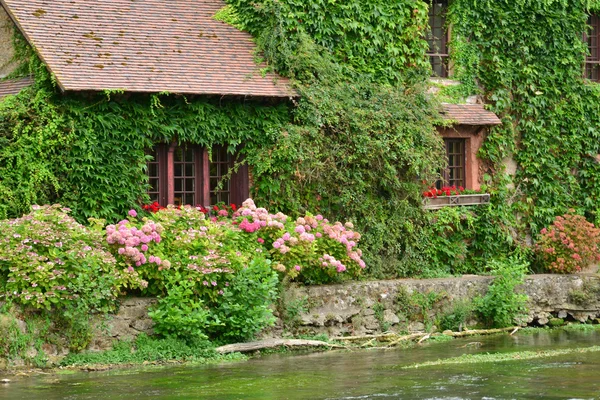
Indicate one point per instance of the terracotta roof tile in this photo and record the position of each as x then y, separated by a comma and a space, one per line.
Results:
13, 86
144, 46
469, 114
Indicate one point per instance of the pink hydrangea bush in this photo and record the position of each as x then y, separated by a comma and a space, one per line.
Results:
570, 244
209, 284
210, 249
309, 249
176, 242
49, 260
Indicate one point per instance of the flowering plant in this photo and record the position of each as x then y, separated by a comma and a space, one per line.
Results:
196, 267
215, 274
309, 249
48, 259
570, 244
434, 193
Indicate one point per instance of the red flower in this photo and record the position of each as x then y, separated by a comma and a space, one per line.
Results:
215, 208
233, 207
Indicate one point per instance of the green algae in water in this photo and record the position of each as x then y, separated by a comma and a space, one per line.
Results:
499, 357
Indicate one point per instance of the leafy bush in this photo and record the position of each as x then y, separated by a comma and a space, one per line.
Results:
457, 316
448, 236
151, 349
217, 277
245, 308
502, 306
48, 260
570, 244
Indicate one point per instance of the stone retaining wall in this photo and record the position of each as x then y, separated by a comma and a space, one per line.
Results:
367, 307
356, 308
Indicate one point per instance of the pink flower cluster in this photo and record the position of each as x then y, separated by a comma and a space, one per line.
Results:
570, 244
257, 218
330, 261
133, 242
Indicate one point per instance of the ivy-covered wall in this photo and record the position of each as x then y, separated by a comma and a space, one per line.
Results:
87, 151
361, 141
528, 57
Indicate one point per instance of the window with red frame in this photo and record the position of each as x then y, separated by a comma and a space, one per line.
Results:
592, 38
437, 38
455, 172
187, 174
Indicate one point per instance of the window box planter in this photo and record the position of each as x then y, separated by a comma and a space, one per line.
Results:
455, 200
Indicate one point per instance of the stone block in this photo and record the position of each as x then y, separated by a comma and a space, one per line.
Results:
390, 317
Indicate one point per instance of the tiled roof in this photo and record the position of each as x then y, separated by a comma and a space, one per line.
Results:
469, 114
13, 86
144, 46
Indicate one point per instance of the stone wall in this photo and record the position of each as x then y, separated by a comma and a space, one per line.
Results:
6, 44
367, 307
131, 320
357, 308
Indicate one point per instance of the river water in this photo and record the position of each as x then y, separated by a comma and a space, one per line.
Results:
364, 374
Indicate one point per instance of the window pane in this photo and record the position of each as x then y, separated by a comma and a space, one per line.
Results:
190, 185
593, 58
455, 173
178, 154
189, 169
190, 199
154, 178
219, 167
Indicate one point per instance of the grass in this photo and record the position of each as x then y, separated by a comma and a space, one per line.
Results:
151, 350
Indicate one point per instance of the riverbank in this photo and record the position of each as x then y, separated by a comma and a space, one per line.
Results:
562, 361
363, 309
148, 353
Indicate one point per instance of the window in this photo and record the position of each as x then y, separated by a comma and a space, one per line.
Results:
592, 60
437, 38
455, 173
182, 175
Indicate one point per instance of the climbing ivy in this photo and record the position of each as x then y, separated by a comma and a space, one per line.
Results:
88, 151
528, 56
382, 40
360, 138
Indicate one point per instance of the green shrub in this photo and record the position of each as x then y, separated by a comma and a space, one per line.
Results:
48, 260
245, 307
457, 317
181, 312
151, 349
502, 306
